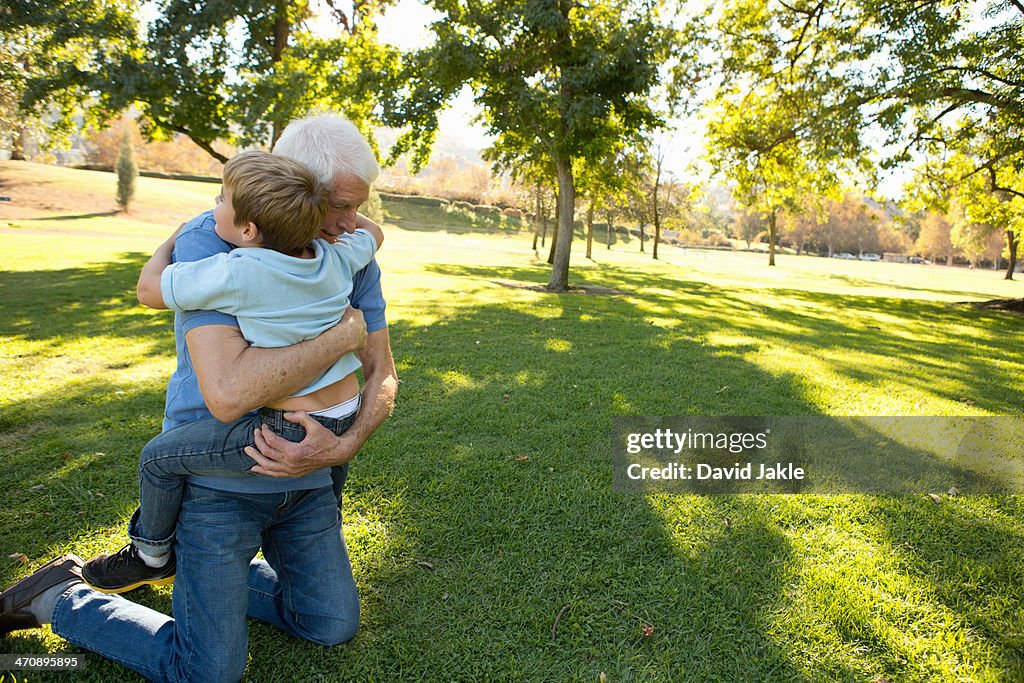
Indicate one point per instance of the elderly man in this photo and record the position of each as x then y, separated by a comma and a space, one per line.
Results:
305, 587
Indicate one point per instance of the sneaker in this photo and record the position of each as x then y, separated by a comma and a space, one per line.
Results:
124, 571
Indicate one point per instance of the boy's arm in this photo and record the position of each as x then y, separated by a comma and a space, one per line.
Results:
372, 228
148, 289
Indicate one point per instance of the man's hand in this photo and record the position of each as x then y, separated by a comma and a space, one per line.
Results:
278, 457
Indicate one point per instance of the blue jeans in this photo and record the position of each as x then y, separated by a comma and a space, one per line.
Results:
205, 447
305, 587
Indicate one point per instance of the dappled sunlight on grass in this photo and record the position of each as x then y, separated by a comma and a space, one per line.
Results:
558, 345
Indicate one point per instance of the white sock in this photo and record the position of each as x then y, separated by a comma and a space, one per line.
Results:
154, 561
42, 605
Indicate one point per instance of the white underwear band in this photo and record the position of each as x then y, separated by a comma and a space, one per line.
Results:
343, 409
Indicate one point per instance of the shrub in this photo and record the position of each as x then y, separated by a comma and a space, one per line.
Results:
127, 171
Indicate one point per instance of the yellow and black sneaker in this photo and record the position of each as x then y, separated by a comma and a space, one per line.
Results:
124, 571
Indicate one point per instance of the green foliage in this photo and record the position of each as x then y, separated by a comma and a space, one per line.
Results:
772, 129
374, 207
233, 70
558, 83
47, 51
126, 170
929, 73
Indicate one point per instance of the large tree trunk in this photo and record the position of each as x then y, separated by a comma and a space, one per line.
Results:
1012, 242
559, 281
772, 228
590, 228
642, 235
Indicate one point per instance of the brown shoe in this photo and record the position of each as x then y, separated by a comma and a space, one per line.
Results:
14, 602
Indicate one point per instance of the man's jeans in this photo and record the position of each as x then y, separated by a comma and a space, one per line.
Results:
205, 448
305, 587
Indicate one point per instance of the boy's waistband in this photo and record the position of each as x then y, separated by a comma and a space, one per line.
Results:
274, 419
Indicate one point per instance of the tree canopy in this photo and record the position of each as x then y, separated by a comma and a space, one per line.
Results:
559, 84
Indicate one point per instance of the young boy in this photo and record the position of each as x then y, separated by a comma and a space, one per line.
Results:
283, 287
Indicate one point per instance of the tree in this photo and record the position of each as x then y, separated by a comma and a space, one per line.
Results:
556, 80
935, 239
778, 77
126, 171
748, 225
973, 194
928, 72
43, 48
234, 70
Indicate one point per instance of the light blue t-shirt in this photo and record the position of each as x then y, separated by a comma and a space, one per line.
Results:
279, 300
184, 402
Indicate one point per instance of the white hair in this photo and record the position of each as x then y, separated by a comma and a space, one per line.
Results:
330, 145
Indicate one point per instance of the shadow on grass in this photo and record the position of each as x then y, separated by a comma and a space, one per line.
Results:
950, 358
851, 281
75, 217
90, 301
482, 510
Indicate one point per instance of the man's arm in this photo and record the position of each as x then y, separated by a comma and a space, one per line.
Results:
278, 457
236, 378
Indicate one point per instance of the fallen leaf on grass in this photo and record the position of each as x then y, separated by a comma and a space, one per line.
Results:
954, 491
500, 554
602, 678
728, 522
38, 487
20, 557
967, 401
425, 565
935, 497
65, 455
646, 630
725, 388
522, 458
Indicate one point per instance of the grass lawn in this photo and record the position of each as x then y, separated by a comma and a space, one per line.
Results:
485, 539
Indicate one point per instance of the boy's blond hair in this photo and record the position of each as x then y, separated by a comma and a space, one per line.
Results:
280, 195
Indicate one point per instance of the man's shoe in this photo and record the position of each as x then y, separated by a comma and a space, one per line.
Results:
124, 571
14, 602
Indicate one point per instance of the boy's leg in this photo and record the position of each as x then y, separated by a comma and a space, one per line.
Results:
203, 447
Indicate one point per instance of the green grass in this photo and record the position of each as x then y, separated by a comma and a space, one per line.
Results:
466, 552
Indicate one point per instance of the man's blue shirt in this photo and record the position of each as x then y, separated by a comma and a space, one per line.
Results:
184, 402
